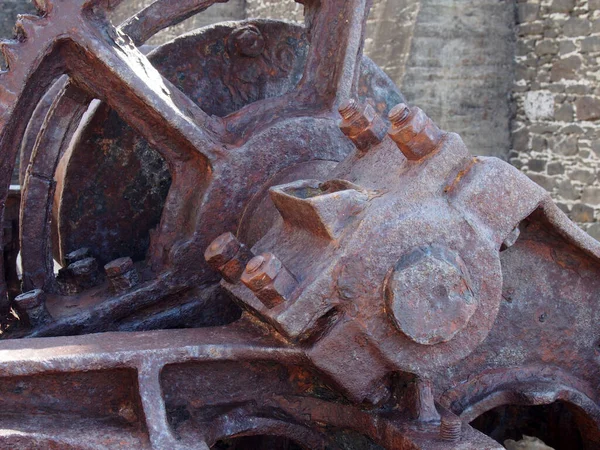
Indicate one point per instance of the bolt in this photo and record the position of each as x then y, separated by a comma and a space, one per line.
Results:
414, 133
348, 108
450, 428
429, 295
32, 306
361, 124
270, 281
398, 114
79, 275
228, 256
77, 255
248, 41
121, 274
255, 263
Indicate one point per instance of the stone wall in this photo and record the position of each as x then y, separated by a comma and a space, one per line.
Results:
556, 128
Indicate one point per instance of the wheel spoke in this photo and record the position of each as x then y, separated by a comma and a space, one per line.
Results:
160, 15
106, 63
337, 36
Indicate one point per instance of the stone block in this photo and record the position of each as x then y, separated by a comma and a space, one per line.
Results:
546, 47
594, 231
583, 176
590, 44
576, 26
539, 105
566, 145
582, 213
591, 195
566, 47
567, 191
566, 68
544, 181
539, 143
536, 165
555, 168
564, 113
562, 6
588, 108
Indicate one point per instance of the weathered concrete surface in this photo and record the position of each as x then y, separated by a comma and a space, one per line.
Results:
460, 69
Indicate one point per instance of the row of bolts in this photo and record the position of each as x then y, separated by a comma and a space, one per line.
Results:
121, 273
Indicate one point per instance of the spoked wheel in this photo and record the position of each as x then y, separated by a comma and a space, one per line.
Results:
276, 120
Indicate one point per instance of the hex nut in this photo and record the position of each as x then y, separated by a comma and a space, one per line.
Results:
261, 270
32, 305
221, 250
228, 256
278, 291
362, 124
118, 266
122, 274
270, 281
415, 134
77, 255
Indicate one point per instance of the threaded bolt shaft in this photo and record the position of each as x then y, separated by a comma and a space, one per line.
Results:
399, 114
450, 428
348, 109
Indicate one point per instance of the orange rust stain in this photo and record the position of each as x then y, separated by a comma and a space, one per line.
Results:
460, 175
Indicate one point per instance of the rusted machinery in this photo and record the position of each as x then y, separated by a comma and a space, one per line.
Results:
261, 246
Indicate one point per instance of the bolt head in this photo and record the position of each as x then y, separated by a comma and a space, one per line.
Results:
118, 266
78, 255
222, 250
428, 295
361, 118
31, 299
84, 267
261, 271
248, 41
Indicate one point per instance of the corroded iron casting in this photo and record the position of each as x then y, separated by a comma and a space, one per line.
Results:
244, 238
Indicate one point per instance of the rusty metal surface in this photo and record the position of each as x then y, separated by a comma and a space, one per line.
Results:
381, 287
